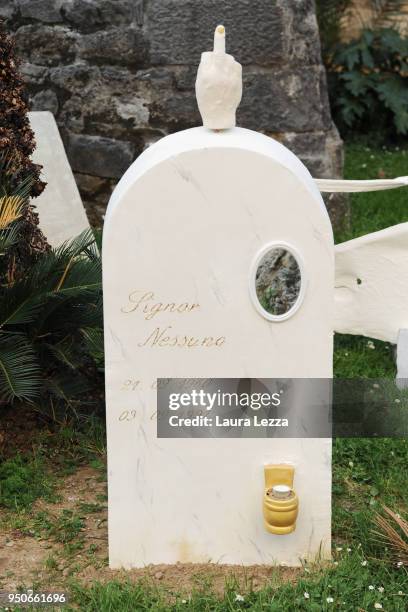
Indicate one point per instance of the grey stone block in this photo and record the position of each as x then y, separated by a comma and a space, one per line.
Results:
173, 110
303, 32
115, 46
180, 30
47, 11
89, 185
8, 9
46, 45
134, 109
90, 15
119, 80
99, 156
45, 100
74, 77
33, 74
286, 100
112, 102
323, 149
322, 154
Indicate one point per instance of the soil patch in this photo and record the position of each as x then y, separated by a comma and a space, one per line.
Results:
19, 430
25, 559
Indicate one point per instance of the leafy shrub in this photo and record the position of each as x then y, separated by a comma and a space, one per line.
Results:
51, 325
17, 144
51, 346
368, 83
50, 300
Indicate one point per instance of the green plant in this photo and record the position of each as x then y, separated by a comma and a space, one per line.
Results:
51, 563
330, 15
17, 144
13, 211
90, 508
51, 312
368, 83
51, 325
334, 17
22, 481
66, 528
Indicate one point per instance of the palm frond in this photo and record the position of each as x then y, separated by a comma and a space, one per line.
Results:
51, 327
64, 274
20, 303
66, 352
63, 316
90, 314
67, 388
11, 209
78, 246
19, 369
9, 237
93, 338
81, 276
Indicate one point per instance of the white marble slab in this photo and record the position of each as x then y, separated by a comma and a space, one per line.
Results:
60, 208
371, 287
185, 223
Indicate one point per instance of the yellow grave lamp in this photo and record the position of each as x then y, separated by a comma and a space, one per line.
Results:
280, 502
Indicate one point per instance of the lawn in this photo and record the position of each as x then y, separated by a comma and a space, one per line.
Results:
53, 494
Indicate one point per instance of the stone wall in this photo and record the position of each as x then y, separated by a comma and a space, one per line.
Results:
119, 74
368, 14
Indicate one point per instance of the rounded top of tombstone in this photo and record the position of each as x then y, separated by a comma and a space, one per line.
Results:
218, 85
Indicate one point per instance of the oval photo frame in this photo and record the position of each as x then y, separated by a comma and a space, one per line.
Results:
271, 246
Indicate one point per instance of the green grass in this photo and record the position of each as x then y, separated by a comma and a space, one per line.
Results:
375, 210
329, 590
366, 474
23, 480
370, 472
64, 527
75, 445
356, 356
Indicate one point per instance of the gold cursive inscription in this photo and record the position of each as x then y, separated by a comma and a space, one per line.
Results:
146, 304
162, 337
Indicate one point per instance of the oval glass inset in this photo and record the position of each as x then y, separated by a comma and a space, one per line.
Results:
277, 282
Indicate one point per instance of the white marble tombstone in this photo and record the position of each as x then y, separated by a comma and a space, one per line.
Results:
185, 224
61, 212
